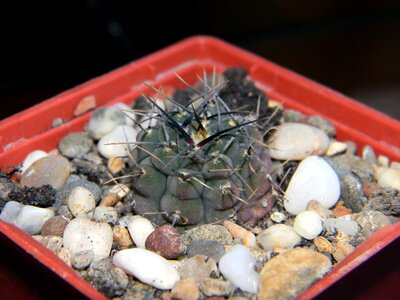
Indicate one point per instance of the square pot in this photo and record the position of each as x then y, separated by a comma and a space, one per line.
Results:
32, 129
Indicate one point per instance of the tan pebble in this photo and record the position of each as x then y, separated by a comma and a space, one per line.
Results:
383, 161
274, 103
120, 207
65, 256
185, 289
85, 105
115, 164
317, 207
121, 236
341, 236
109, 200
341, 250
287, 275
54, 152
216, 287
120, 189
248, 238
336, 148
323, 245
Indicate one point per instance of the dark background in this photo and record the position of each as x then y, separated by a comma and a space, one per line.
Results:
49, 46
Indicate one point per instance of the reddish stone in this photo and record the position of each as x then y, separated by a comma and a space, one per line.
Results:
369, 188
340, 211
54, 226
85, 105
166, 241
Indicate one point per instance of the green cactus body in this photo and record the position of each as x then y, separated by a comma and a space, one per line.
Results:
201, 165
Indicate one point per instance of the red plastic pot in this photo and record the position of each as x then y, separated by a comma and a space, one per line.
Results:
371, 270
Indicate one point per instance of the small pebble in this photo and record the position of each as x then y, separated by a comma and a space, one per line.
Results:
389, 178
308, 224
115, 164
83, 234
336, 148
395, 165
52, 170
383, 161
53, 243
148, 267
237, 265
248, 238
139, 229
347, 226
295, 141
323, 212
107, 278
385, 200
341, 250
340, 211
198, 267
109, 200
121, 236
185, 289
86, 104
216, 287
278, 237
118, 142
371, 221
277, 217
120, 189
65, 256
368, 154
31, 218
323, 245
81, 260
11, 211
54, 226
165, 241
31, 158
105, 214
81, 202
74, 181
287, 275
75, 144
355, 165
209, 248
64, 212
105, 120
313, 179
207, 232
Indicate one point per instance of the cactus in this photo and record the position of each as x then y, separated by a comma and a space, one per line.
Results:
202, 161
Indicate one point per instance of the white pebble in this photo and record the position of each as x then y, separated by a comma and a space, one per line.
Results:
116, 143
389, 178
81, 202
308, 224
11, 211
349, 227
314, 179
237, 265
31, 158
296, 141
336, 148
83, 234
148, 267
130, 116
139, 228
105, 214
120, 189
278, 237
278, 217
31, 218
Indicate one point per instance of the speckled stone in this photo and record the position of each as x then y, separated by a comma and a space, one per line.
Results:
216, 287
122, 237
185, 289
81, 260
287, 275
198, 267
385, 200
209, 248
75, 144
52, 170
208, 232
371, 221
355, 165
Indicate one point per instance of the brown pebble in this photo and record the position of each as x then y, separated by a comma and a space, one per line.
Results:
54, 226
216, 287
370, 188
121, 236
109, 200
323, 245
85, 105
341, 250
166, 241
115, 164
53, 170
185, 289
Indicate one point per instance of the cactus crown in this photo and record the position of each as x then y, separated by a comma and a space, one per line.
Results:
201, 162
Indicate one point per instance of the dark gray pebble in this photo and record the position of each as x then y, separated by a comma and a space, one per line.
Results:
209, 248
